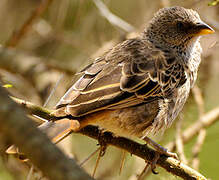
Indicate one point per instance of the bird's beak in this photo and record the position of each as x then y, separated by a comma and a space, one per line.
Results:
203, 29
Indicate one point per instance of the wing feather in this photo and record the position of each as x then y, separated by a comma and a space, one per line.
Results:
131, 73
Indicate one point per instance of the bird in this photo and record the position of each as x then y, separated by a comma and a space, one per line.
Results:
138, 87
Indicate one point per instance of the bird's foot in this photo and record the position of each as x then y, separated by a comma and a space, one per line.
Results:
154, 162
170, 154
102, 143
160, 149
149, 164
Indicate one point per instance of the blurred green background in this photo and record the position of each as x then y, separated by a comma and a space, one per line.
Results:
68, 35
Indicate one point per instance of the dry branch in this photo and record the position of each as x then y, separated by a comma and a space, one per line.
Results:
17, 36
179, 142
197, 148
18, 62
112, 18
19, 129
206, 121
170, 164
36, 110
202, 133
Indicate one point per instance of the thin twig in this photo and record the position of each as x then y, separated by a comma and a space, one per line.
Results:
89, 157
208, 119
112, 18
197, 148
139, 166
53, 90
101, 154
17, 36
198, 99
202, 133
179, 141
9, 60
30, 172
36, 110
146, 168
122, 161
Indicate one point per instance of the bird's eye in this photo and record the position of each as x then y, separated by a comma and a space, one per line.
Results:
180, 25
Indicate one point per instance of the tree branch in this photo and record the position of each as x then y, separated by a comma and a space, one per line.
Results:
17, 36
36, 110
112, 18
207, 120
170, 164
16, 127
11, 61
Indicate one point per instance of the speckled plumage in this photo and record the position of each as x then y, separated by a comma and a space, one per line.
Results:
140, 85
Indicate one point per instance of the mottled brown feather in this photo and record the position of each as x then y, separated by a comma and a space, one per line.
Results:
133, 68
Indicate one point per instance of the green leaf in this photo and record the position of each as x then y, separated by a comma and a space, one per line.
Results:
213, 3
7, 85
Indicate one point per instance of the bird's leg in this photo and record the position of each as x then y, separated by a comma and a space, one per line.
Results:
102, 143
160, 149
154, 162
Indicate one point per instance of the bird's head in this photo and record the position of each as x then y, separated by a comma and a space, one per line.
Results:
176, 26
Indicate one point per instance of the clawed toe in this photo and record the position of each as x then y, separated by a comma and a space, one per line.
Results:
171, 154
102, 143
157, 156
160, 149
154, 162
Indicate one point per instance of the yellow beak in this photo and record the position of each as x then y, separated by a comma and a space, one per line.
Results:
204, 29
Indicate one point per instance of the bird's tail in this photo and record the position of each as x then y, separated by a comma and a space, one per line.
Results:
55, 130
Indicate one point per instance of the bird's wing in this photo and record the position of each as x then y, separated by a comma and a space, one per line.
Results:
131, 73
